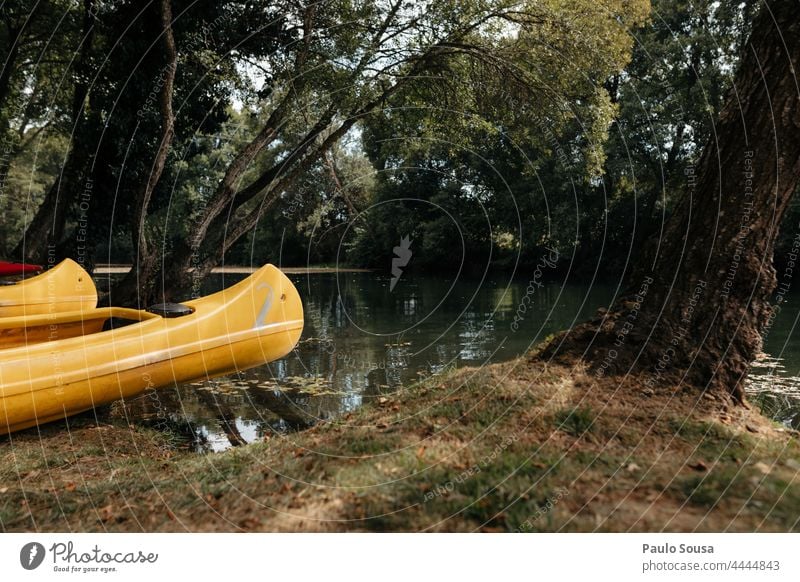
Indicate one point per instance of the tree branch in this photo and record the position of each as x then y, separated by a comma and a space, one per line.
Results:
225, 191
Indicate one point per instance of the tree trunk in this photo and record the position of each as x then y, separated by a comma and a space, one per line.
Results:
140, 281
698, 299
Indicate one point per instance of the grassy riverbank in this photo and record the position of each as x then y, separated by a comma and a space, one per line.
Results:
514, 446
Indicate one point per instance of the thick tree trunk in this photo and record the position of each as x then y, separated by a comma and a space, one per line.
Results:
140, 281
698, 299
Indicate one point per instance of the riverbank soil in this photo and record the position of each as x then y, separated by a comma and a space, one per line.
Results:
519, 446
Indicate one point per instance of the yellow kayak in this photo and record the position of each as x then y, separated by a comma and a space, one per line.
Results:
66, 363
65, 287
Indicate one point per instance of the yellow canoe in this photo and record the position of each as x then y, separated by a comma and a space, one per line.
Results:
65, 287
66, 363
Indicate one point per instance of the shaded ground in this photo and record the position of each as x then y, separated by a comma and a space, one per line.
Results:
513, 446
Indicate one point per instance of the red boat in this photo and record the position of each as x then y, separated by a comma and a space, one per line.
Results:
9, 269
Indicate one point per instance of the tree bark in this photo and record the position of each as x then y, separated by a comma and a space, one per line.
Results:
698, 298
140, 279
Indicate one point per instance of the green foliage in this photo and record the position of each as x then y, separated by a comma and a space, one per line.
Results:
667, 98
489, 130
25, 184
608, 167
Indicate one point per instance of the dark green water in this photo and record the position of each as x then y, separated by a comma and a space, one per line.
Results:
363, 341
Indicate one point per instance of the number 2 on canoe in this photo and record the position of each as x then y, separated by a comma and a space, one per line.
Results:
262, 315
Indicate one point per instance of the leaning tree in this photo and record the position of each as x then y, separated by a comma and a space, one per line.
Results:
698, 299
324, 68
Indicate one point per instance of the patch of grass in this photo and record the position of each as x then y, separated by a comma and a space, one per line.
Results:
576, 421
712, 440
366, 444
460, 451
706, 490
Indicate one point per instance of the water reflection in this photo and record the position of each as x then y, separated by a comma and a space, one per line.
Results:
775, 390
774, 381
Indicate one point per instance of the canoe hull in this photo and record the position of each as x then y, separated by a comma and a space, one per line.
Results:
66, 287
14, 269
236, 329
25, 410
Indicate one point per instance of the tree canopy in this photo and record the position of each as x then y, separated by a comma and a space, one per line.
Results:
140, 93
177, 135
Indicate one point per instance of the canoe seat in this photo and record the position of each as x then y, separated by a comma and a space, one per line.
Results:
170, 310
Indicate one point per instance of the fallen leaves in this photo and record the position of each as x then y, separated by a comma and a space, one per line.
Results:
106, 513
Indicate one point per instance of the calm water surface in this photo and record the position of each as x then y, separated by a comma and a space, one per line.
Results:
774, 381
362, 341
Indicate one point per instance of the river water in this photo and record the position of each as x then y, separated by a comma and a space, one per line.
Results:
363, 340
